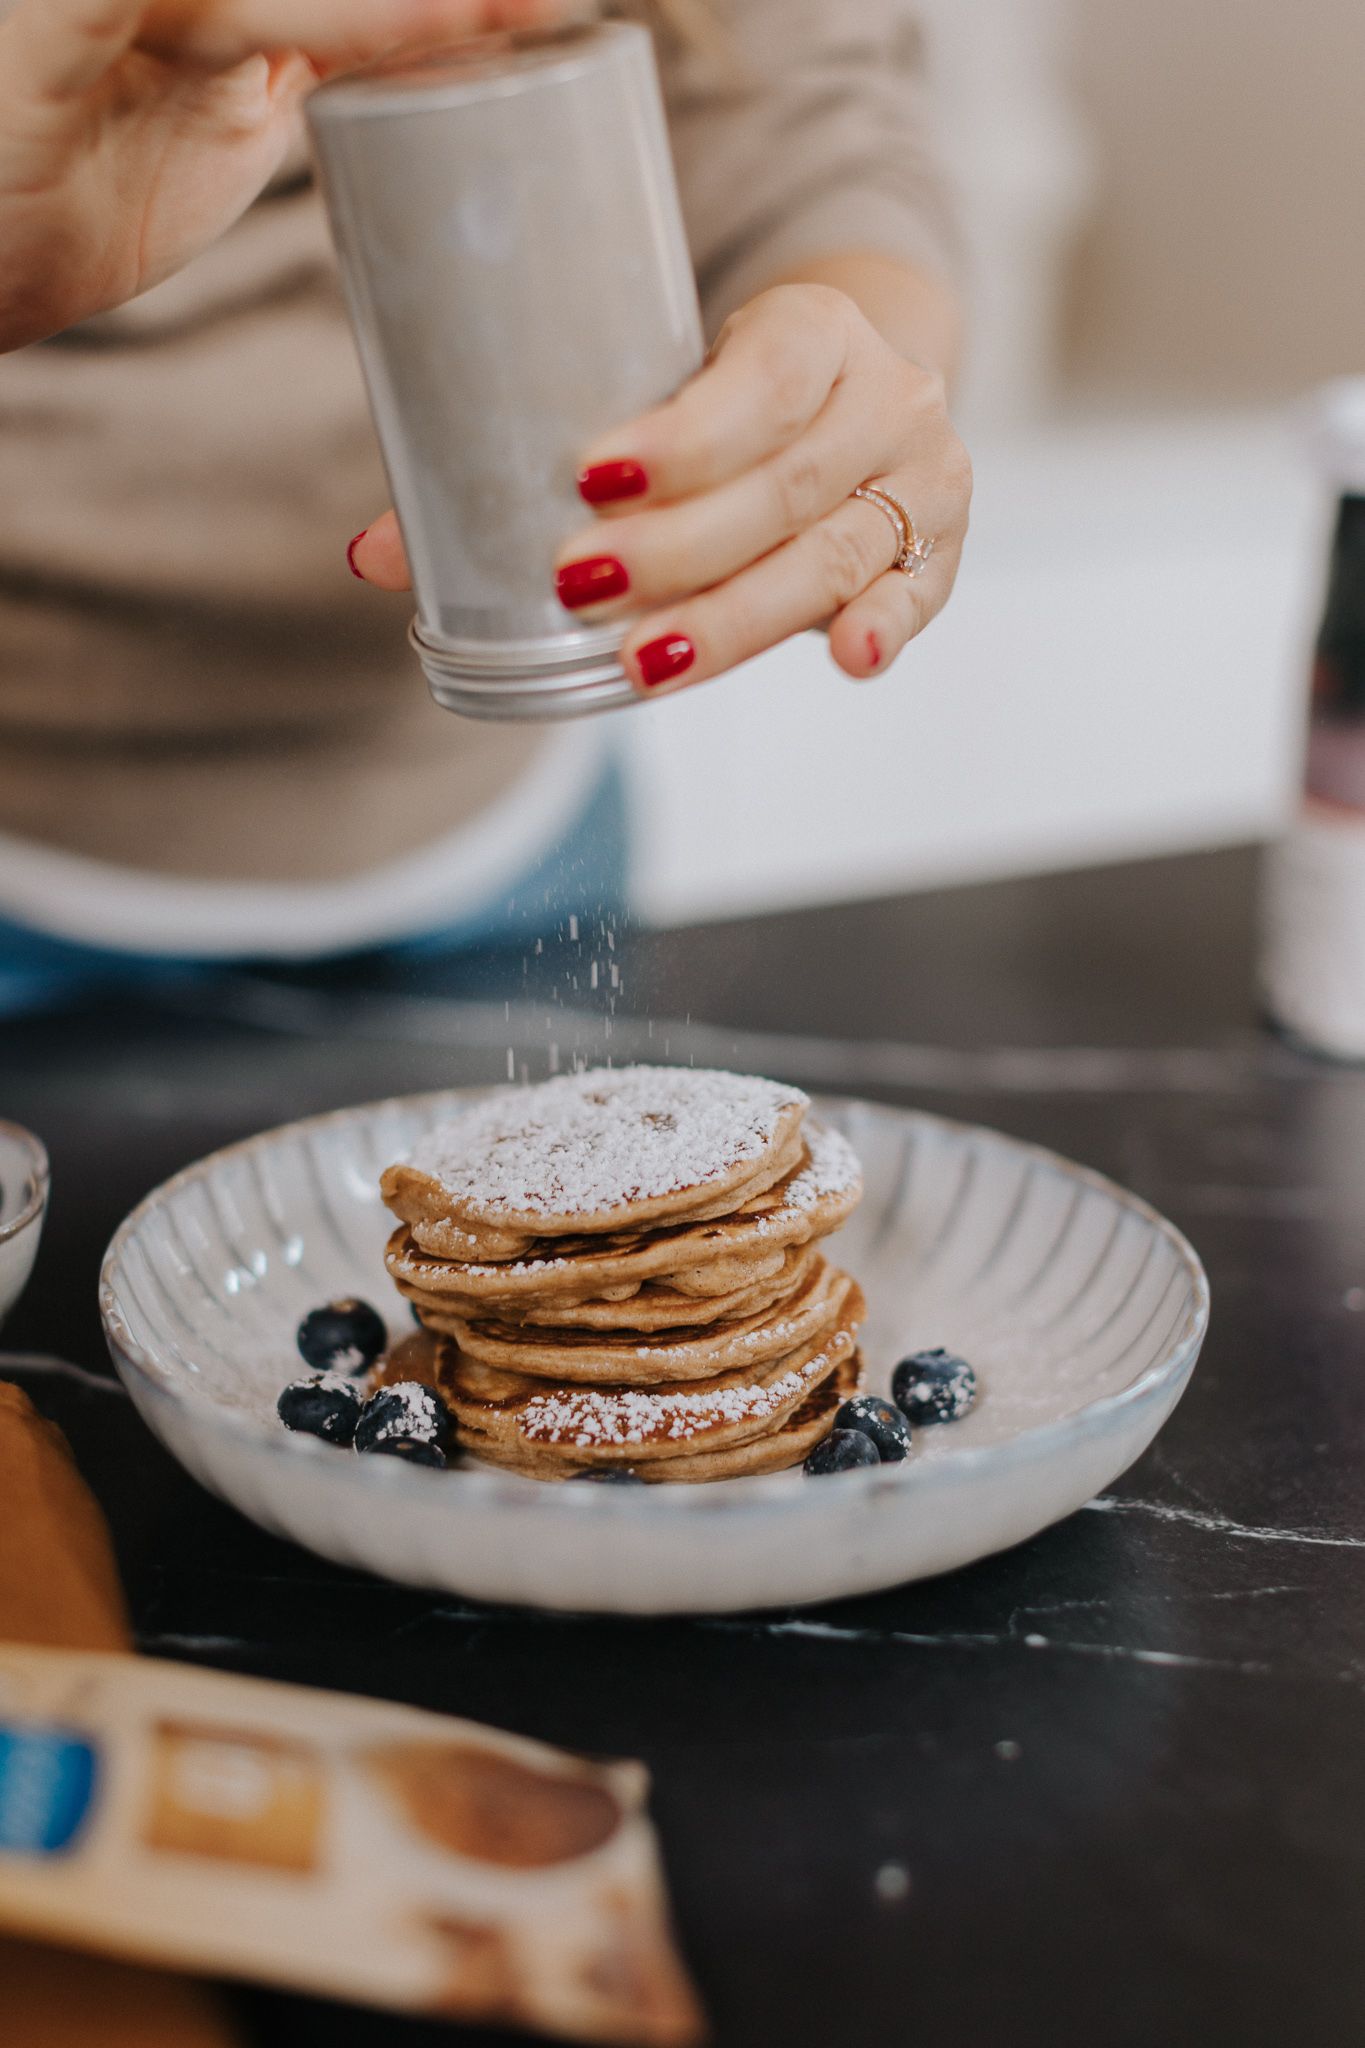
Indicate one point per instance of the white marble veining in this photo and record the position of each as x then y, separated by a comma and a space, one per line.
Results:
1221, 1525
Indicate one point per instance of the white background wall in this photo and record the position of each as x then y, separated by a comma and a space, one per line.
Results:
1121, 670
1118, 673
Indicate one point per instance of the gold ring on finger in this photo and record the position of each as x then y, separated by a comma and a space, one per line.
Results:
915, 548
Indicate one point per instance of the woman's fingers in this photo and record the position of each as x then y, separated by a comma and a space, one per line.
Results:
723, 569
378, 556
800, 584
61, 48
872, 628
333, 31
838, 570
56, 48
673, 549
769, 375
871, 631
836, 564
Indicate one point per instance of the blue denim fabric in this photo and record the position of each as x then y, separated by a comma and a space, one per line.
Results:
584, 876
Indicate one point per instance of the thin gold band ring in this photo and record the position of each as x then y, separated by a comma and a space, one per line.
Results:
915, 549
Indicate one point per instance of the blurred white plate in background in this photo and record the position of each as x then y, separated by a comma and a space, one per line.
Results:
23, 1205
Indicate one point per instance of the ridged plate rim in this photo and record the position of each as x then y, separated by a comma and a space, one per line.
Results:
39, 1178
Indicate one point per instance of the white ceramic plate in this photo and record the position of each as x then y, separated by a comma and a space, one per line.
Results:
1082, 1310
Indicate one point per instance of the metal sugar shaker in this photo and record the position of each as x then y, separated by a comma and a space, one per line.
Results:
514, 261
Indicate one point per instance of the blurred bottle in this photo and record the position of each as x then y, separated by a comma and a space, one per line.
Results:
1313, 958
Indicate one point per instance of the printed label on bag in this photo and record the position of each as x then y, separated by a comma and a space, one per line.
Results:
47, 1781
234, 1794
344, 1846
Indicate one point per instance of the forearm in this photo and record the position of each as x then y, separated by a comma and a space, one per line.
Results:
917, 312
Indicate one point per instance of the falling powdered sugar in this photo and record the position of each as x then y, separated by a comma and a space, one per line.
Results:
591, 1143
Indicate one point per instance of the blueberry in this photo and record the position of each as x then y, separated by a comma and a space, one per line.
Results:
841, 1451
885, 1426
414, 1450
933, 1386
610, 1475
406, 1413
345, 1336
328, 1406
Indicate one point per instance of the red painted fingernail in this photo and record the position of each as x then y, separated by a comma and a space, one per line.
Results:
350, 552
874, 650
591, 582
602, 483
660, 660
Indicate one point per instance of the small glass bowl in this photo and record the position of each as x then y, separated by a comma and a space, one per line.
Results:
23, 1204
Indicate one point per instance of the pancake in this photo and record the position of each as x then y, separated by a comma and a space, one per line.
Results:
779, 1449
657, 1306
592, 1153
506, 1416
405, 1192
703, 1259
648, 1308
561, 1284
415, 1357
699, 1352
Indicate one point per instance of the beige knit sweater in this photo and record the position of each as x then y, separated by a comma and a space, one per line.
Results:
190, 682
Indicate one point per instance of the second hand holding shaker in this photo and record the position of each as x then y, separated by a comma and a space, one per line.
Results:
518, 277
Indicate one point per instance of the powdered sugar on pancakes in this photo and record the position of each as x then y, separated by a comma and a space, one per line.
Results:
626, 1358
816, 1196
586, 1417
599, 1142
831, 1172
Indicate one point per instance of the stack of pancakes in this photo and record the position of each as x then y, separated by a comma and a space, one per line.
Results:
622, 1269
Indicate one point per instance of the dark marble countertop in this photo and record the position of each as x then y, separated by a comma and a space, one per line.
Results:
1109, 1785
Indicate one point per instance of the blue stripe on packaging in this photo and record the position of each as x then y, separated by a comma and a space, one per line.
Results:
47, 1784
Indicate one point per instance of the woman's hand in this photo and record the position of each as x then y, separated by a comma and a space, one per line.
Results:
726, 513
131, 134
